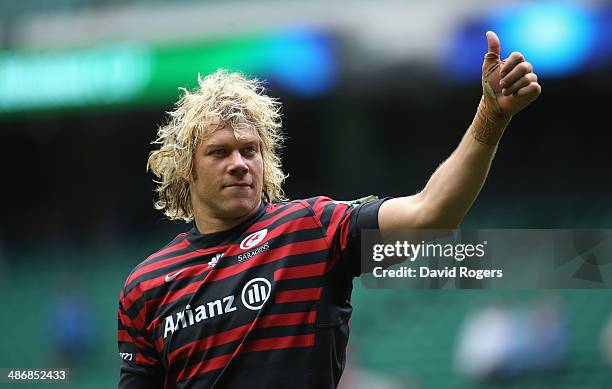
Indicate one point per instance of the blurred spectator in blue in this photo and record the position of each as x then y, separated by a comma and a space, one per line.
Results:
70, 323
504, 342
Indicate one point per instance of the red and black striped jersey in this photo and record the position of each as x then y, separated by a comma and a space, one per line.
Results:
265, 304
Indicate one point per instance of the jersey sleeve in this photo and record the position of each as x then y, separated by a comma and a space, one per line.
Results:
138, 355
131, 380
343, 222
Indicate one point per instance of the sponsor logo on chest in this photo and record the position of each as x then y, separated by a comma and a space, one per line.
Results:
253, 296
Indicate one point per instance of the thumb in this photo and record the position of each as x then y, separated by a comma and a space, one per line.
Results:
492, 56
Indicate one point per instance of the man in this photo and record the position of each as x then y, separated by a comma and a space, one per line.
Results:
257, 294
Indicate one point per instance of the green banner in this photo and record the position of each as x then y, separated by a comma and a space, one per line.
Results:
126, 73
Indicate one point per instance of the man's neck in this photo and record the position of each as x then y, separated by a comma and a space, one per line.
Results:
210, 224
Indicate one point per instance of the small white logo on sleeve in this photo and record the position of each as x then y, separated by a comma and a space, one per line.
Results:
255, 293
171, 277
253, 239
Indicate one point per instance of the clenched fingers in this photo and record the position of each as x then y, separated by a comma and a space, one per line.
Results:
531, 91
520, 83
518, 72
514, 59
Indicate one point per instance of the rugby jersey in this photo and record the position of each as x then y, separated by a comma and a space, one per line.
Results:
265, 304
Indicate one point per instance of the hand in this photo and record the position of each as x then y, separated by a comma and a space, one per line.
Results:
509, 85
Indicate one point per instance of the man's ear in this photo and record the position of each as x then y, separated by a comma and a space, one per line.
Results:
196, 147
193, 176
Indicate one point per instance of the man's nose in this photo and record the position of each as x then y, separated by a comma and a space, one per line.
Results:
237, 163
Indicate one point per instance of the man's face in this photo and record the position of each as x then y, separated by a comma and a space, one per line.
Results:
228, 175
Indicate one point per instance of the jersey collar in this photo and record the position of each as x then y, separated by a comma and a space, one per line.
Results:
221, 238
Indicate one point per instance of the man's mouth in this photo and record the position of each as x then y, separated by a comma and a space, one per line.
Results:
241, 184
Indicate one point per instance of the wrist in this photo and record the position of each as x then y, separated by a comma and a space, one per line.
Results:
488, 127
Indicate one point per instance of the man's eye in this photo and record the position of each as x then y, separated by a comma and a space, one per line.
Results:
218, 152
250, 150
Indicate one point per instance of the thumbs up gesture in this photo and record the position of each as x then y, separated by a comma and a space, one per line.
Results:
509, 85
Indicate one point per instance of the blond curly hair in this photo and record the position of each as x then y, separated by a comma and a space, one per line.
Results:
221, 99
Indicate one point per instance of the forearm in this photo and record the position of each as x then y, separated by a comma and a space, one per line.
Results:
452, 189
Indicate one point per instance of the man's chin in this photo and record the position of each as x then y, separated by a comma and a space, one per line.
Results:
236, 208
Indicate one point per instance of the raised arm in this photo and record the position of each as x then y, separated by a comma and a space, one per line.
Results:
508, 87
